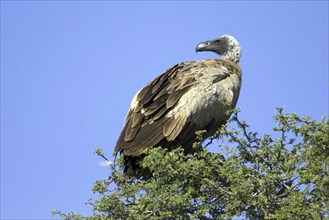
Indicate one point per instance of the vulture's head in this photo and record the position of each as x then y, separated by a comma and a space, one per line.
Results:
226, 46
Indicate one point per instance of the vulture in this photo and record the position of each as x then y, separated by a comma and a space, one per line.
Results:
188, 97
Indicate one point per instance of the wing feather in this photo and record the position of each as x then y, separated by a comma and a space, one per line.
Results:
136, 119
175, 96
174, 127
160, 113
180, 124
129, 136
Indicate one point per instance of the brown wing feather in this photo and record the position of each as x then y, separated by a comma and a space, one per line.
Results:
133, 128
145, 124
175, 96
172, 129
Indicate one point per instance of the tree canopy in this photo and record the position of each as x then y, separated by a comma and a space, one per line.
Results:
283, 175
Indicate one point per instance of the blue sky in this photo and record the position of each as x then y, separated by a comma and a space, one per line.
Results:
70, 69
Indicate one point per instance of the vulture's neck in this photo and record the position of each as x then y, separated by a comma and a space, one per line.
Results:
233, 54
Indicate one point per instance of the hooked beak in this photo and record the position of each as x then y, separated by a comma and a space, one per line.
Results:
206, 46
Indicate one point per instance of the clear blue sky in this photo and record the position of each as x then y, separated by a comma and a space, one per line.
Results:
70, 69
